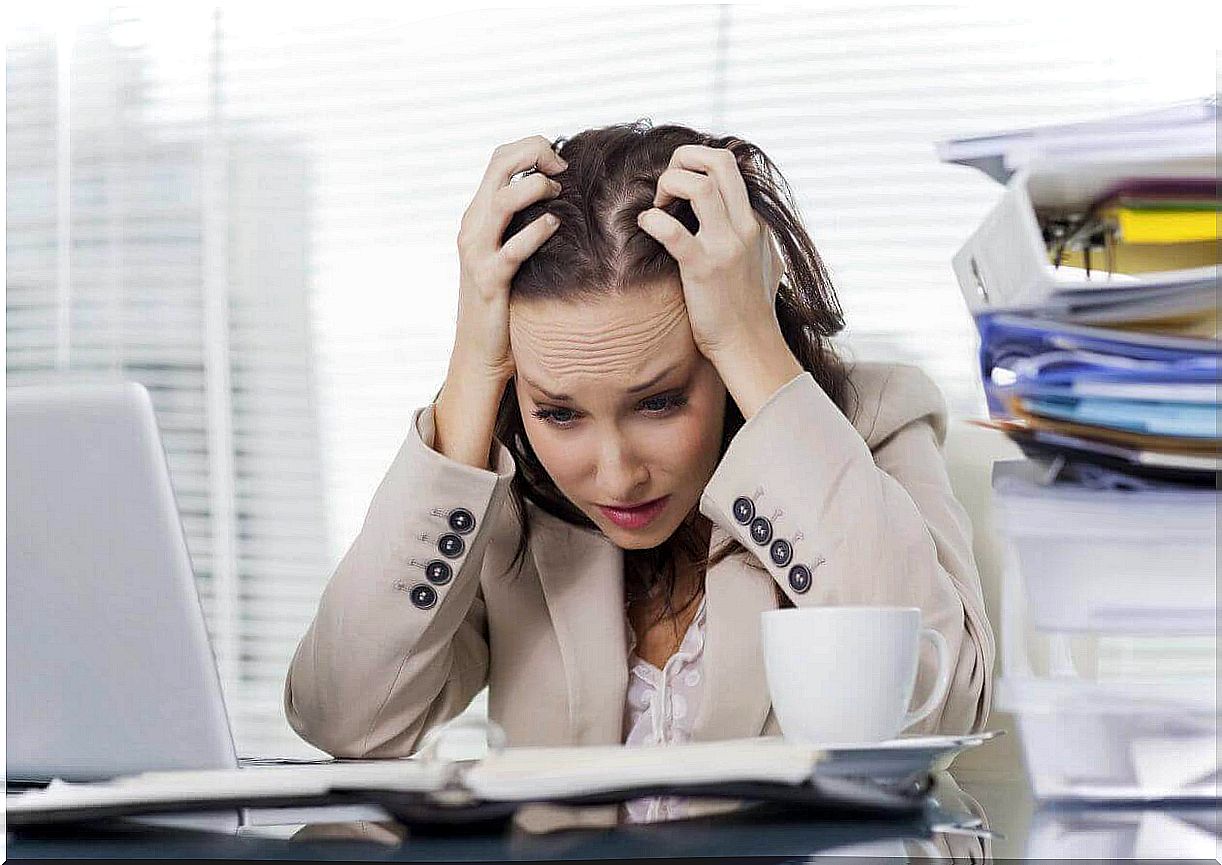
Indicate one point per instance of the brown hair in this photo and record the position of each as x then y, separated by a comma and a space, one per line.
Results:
598, 248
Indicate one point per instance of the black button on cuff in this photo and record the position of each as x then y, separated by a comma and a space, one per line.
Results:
451, 546
761, 530
438, 572
781, 552
799, 578
744, 509
424, 597
462, 520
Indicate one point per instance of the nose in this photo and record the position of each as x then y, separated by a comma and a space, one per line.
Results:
621, 475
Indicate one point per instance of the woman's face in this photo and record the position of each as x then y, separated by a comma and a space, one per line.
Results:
620, 406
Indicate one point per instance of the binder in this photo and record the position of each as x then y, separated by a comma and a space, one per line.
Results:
1004, 266
1017, 352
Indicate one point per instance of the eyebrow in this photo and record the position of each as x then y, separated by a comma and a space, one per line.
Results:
646, 385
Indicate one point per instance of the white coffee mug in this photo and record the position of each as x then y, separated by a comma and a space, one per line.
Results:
842, 675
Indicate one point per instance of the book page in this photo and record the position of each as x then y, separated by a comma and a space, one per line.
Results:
538, 772
401, 775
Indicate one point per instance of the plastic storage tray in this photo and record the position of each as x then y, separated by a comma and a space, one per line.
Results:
1107, 742
1112, 561
1108, 639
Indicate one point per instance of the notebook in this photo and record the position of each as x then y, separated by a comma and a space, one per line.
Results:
767, 769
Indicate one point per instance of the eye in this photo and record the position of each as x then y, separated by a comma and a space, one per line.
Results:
664, 403
655, 406
551, 415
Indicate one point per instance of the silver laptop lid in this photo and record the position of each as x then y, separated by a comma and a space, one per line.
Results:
109, 666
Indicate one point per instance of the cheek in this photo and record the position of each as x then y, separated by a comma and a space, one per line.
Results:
686, 448
560, 452
693, 442
561, 456
706, 438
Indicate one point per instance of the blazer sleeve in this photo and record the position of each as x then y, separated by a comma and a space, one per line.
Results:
863, 527
399, 641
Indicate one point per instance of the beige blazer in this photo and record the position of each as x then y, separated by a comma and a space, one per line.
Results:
866, 505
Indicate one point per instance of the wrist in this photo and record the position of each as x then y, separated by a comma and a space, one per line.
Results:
477, 374
477, 391
465, 414
754, 366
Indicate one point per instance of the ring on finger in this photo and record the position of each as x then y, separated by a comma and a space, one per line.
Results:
526, 172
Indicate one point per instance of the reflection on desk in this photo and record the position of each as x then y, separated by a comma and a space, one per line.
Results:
1117, 833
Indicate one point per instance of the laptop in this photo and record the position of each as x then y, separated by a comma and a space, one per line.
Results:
110, 670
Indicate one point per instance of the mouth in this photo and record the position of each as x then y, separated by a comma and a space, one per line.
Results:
635, 517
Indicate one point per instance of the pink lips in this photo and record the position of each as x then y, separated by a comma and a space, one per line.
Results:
638, 517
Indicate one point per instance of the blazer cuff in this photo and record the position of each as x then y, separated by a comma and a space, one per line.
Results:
436, 511
424, 421
773, 489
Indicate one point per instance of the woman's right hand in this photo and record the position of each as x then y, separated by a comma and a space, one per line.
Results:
481, 343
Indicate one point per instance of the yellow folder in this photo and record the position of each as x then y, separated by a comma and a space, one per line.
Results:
1156, 225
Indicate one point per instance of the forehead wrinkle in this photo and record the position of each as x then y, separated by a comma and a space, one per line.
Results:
567, 355
609, 338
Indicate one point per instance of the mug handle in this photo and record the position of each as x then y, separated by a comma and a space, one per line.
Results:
943, 683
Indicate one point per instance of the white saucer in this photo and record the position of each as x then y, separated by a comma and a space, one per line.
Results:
895, 759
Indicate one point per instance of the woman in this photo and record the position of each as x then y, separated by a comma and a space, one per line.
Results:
644, 440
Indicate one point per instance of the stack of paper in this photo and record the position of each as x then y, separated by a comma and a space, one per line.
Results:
1094, 286
1116, 408
1185, 127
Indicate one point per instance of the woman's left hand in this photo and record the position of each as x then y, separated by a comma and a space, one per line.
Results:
730, 269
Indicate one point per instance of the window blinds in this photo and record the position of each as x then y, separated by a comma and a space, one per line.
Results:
256, 217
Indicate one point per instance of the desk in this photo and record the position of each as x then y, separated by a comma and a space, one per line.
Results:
1003, 802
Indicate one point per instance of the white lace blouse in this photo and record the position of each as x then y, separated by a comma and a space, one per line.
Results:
659, 709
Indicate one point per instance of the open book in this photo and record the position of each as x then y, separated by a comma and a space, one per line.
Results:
424, 788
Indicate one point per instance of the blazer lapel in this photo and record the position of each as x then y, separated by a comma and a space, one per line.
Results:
735, 701
581, 573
